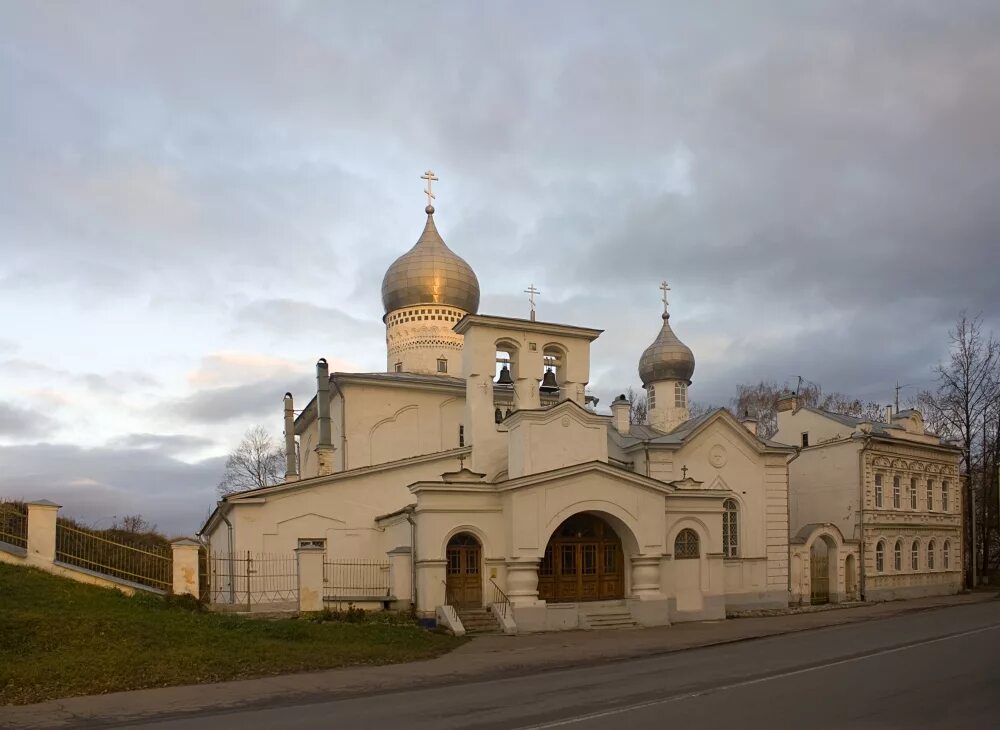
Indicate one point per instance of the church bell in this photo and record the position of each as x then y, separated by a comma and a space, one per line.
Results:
549, 384
504, 378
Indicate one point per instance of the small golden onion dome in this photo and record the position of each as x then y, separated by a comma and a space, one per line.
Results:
430, 273
667, 358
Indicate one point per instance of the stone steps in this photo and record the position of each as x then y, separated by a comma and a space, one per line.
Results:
608, 619
478, 621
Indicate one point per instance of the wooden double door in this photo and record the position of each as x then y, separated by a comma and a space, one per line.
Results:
819, 572
583, 562
464, 575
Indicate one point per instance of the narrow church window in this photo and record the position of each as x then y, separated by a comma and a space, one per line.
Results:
880, 557
913, 493
895, 492
686, 545
930, 555
680, 395
897, 556
944, 496
398, 367
651, 397
946, 554
442, 365
805, 439
930, 496
878, 490
461, 435
915, 555
730, 528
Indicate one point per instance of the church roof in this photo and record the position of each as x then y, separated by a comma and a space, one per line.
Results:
430, 273
641, 433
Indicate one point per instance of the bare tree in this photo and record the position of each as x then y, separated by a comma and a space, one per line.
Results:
967, 390
638, 406
132, 523
257, 462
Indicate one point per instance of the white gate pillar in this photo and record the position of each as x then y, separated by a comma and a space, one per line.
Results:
310, 562
185, 567
42, 531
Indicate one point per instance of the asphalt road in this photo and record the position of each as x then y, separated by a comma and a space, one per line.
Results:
939, 668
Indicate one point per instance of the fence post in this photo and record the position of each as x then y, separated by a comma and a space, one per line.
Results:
185, 566
42, 531
310, 564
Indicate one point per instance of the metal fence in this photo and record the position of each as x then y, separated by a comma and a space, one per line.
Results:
147, 566
253, 579
356, 579
13, 524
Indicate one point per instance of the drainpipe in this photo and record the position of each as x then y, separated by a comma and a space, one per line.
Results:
232, 556
862, 574
788, 517
413, 558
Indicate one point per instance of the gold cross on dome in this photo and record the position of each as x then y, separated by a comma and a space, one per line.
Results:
664, 287
430, 177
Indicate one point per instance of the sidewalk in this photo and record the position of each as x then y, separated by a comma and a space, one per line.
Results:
485, 657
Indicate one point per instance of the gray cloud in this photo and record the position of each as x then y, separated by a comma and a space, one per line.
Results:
96, 484
261, 399
171, 444
23, 424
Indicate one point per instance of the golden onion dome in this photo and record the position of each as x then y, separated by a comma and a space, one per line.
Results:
430, 273
667, 358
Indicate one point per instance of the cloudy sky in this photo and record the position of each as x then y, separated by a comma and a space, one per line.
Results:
199, 199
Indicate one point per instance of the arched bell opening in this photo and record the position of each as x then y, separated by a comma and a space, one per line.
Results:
553, 371
504, 377
464, 571
584, 560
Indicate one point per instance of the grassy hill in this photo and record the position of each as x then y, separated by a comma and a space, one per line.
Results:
60, 638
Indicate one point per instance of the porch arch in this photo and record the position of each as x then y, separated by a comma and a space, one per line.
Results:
584, 560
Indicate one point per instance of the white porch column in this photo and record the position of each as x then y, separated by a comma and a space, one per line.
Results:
430, 587
185, 566
401, 573
646, 577
522, 582
310, 560
42, 531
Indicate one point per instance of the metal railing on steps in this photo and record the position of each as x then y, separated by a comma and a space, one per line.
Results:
501, 603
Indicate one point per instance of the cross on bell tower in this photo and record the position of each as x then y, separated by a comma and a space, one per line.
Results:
531, 291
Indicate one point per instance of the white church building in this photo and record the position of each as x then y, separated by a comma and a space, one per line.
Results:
476, 467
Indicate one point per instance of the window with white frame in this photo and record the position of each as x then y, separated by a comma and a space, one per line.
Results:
915, 556
398, 367
730, 528
897, 556
880, 557
442, 365
930, 555
878, 490
913, 493
896, 488
651, 397
312, 543
946, 555
930, 496
944, 496
680, 395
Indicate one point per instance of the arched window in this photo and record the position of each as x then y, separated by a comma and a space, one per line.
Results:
880, 557
913, 493
946, 555
878, 490
930, 555
944, 496
730, 528
650, 397
895, 492
897, 556
680, 395
686, 545
915, 556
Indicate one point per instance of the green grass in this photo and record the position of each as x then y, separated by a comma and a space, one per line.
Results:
59, 638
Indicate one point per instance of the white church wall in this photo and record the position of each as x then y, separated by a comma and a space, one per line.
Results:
559, 438
792, 424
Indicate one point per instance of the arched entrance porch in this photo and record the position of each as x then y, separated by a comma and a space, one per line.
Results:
583, 561
819, 569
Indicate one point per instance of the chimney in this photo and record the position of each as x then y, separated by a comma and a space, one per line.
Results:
291, 460
324, 446
619, 414
888, 414
787, 401
750, 424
